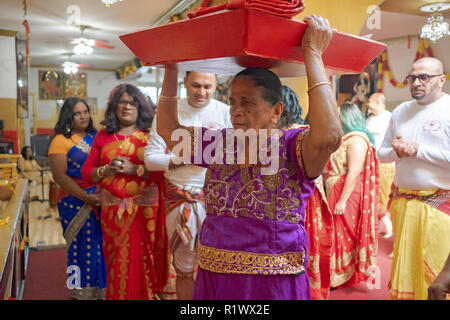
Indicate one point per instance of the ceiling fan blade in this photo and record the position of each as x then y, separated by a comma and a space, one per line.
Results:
104, 41
99, 45
84, 66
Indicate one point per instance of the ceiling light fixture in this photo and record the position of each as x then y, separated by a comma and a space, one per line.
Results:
70, 67
109, 3
83, 46
82, 49
436, 27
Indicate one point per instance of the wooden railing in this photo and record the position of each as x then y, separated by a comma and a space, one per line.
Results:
14, 243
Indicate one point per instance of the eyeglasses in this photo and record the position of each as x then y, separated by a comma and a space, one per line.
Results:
78, 114
423, 78
123, 103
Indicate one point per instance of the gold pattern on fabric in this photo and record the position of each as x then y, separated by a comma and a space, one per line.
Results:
124, 261
128, 148
240, 262
298, 147
253, 195
314, 271
140, 153
148, 213
132, 188
121, 184
88, 293
83, 146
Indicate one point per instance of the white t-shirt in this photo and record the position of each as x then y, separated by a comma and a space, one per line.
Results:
216, 115
377, 125
429, 126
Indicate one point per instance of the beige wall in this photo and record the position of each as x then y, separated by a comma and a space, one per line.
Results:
99, 85
347, 16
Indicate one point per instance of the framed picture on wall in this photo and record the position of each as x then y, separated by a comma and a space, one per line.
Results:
51, 85
359, 87
75, 85
92, 102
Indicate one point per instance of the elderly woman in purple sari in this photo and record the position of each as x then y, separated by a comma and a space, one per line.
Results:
253, 243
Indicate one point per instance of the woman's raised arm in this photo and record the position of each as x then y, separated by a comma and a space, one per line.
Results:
324, 136
166, 111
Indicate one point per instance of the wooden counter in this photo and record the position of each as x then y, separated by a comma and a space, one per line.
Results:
14, 243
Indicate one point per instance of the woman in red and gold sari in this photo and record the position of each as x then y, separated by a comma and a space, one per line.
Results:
352, 184
134, 239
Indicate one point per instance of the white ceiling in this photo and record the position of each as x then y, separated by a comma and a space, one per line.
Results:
395, 25
51, 34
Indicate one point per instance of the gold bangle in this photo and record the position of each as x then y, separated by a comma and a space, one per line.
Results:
166, 98
318, 84
97, 172
100, 171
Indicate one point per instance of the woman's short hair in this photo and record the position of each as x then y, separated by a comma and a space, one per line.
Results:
64, 125
145, 111
268, 81
24, 152
353, 119
292, 112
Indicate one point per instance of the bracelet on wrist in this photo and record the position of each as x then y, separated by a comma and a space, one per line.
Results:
101, 171
318, 84
167, 98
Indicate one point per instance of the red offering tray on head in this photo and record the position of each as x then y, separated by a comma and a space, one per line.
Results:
228, 41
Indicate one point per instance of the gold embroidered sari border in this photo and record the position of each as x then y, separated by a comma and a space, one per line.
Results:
240, 262
298, 147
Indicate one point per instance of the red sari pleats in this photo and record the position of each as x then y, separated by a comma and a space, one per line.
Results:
355, 243
320, 229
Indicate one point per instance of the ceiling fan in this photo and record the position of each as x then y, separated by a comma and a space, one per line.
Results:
71, 67
85, 46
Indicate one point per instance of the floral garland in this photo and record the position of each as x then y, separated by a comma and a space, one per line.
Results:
383, 65
27, 32
128, 68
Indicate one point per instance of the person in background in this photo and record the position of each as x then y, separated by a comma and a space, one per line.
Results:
417, 140
319, 219
184, 196
292, 111
29, 169
377, 123
133, 225
253, 243
78, 206
352, 185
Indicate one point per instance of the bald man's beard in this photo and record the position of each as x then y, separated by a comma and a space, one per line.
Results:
423, 94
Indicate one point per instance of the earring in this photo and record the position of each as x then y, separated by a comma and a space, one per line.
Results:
68, 129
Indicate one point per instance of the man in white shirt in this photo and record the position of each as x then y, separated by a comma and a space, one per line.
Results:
418, 140
378, 123
184, 183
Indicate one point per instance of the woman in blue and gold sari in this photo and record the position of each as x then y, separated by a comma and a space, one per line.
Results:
79, 204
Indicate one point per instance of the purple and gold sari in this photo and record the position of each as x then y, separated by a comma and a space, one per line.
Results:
253, 243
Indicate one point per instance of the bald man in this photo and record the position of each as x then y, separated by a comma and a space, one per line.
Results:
418, 141
377, 123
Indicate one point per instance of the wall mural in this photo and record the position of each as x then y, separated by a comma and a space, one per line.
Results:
55, 85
